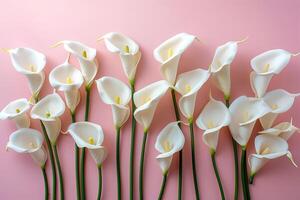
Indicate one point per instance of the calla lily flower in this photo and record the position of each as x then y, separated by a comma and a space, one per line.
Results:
265, 66
48, 110
285, 130
117, 94
169, 141
169, 53
213, 117
31, 64
188, 84
89, 135
146, 101
268, 147
127, 49
86, 57
67, 78
244, 113
16, 111
279, 101
27, 140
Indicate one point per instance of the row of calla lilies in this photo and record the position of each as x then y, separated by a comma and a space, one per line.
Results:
240, 116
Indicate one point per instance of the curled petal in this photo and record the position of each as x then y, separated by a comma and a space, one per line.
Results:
98, 154
89, 69
39, 156
72, 98
145, 113
222, 80
120, 114
53, 129
259, 83
36, 82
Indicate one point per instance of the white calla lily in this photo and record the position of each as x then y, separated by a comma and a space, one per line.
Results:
86, 57
188, 84
279, 101
27, 140
89, 135
146, 101
169, 141
127, 49
30, 63
213, 117
268, 147
244, 113
169, 53
16, 111
117, 94
67, 78
265, 66
48, 110
285, 130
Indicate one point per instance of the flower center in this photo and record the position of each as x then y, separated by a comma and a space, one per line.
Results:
31, 67
126, 49
84, 54
274, 106
266, 68
187, 88
18, 110
246, 116
48, 114
170, 52
69, 80
117, 99
91, 140
265, 151
147, 99
32, 145
167, 146
210, 124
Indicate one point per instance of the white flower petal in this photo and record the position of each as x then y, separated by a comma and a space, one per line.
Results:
256, 163
22, 121
89, 69
222, 80
164, 162
145, 113
36, 82
130, 63
98, 154
72, 98
267, 120
120, 114
53, 129
259, 83
78, 49
39, 156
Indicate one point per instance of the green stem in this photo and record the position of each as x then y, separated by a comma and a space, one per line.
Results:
118, 164
77, 174
61, 181
53, 167
236, 162
99, 183
246, 175
132, 142
194, 161
243, 164
142, 165
163, 186
213, 159
45, 183
177, 115
251, 179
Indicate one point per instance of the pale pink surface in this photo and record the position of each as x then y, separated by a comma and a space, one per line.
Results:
39, 24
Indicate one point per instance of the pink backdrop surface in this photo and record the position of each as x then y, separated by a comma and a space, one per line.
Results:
269, 24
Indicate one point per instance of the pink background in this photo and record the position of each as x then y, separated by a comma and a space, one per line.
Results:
38, 24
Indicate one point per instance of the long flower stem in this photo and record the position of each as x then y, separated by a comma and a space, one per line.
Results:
180, 152
213, 159
77, 174
163, 186
132, 142
246, 175
244, 179
194, 161
60, 176
99, 182
45, 183
53, 167
142, 165
118, 164
236, 162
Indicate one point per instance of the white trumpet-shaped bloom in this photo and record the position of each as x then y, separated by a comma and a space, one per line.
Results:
284, 130
279, 101
16, 111
146, 101
220, 66
244, 112
89, 135
268, 147
67, 78
169, 53
117, 94
31, 64
213, 117
265, 66
86, 57
127, 49
169, 141
48, 110
188, 84
27, 140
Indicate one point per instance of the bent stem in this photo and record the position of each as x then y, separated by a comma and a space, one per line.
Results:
53, 167
163, 186
180, 152
194, 160
142, 165
213, 159
99, 182
60, 176
132, 142
118, 130
236, 162
45, 183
